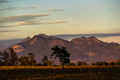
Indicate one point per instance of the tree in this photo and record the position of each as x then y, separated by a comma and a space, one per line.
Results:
81, 63
47, 62
112, 63
62, 54
104, 63
13, 57
118, 63
9, 58
1, 63
71, 64
39, 64
5, 58
50, 63
32, 60
24, 60
98, 63
44, 60
28, 60
101, 63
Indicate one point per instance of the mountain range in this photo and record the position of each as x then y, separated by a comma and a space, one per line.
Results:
88, 49
107, 37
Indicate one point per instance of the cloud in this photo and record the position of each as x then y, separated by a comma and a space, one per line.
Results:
22, 23
55, 9
1, 31
9, 8
13, 21
21, 18
27, 8
55, 22
28, 23
16, 8
3, 1
31, 23
2, 26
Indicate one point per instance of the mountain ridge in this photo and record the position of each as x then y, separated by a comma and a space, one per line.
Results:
88, 49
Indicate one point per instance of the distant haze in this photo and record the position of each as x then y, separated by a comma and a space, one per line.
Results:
111, 37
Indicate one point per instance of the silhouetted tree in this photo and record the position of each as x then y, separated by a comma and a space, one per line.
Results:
112, 63
13, 57
118, 63
32, 60
5, 58
28, 60
98, 63
104, 63
44, 60
101, 63
62, 54
9, 58
81, 63
39, 64
50, 63
47, 62
1, 63
24, 60
71, 64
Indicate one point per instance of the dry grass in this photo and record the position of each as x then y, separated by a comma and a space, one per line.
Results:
50, 67
58, 73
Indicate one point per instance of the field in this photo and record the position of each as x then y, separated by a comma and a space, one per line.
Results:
58, 73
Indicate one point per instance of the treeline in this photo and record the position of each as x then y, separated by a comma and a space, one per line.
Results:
10, 58
103, 63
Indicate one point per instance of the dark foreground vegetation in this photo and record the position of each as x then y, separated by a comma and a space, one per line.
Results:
27, 68
58, 73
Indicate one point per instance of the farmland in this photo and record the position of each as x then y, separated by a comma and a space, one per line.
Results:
58, 73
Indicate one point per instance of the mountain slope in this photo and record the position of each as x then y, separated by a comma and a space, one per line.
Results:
82, 49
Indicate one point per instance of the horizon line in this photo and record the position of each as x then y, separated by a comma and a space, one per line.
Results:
87, 34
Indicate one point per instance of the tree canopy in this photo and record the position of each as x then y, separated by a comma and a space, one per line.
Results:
62, 54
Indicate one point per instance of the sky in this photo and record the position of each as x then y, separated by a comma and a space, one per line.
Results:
22, 18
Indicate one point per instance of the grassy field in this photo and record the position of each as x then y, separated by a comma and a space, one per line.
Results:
58, 73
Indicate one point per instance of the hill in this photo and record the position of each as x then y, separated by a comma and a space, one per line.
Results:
88, 49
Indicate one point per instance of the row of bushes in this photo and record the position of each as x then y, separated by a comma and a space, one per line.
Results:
9, 58
104, 63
